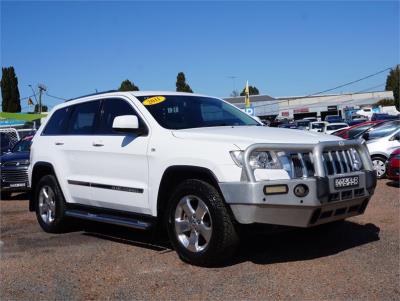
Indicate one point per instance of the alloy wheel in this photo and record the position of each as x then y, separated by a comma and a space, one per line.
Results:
47, 204
193, 224
379, 167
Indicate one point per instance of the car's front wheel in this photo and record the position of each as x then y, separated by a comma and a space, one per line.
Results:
379, 164
50, 205
199, 225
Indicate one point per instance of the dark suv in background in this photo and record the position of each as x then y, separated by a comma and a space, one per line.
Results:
14, 168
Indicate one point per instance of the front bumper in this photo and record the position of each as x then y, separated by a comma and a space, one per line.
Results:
14, 179
323, 203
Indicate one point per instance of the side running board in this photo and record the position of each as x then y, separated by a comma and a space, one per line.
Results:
109, 219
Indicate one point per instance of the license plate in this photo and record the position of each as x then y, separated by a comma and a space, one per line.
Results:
346, 182
18, 185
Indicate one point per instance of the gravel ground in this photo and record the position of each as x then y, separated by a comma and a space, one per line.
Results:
356, 259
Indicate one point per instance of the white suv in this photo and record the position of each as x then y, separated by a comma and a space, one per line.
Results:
194, 165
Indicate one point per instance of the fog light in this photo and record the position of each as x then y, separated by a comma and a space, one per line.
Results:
301, 190
276, 189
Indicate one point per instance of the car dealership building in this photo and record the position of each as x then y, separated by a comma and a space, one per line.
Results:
298, 107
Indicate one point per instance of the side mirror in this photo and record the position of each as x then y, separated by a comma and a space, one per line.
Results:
395, 137
320, 131
365, 136
126, 124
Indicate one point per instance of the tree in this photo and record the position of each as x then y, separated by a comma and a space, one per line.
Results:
181, 85
127, 85
252, 91
393, 84
9, 91
385, 102
44, 108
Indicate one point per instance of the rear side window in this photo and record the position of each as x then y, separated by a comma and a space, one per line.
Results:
58, 122
83, 118
112, 108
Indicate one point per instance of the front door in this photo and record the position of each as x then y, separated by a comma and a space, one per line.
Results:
120, 168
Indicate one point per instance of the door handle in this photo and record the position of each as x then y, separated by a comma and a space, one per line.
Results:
97, 144
59, 143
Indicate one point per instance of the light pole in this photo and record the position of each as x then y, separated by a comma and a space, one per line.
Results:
34, 93
41, 89
233, 78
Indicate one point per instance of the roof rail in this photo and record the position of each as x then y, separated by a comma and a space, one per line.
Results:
93, 94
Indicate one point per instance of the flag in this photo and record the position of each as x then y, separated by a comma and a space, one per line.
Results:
247, 95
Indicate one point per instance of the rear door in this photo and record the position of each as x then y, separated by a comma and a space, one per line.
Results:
75, 150
120, 168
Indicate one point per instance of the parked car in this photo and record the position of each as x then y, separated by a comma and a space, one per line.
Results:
383, 116
14, 168
333, 127
311, 119
356, 121
6, 143
333, 119
353, 131
317, 126
195, 165
393, 166
302, 124
381, 142
288, 126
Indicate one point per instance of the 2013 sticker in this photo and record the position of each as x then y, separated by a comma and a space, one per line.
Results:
153, 100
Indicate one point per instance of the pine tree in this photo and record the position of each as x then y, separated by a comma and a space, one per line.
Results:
181, 85
393, 84
9, 91
127, 85
44, 108
252, 91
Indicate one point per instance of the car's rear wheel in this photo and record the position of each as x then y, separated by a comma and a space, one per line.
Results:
50, 205
379, 164
199, 225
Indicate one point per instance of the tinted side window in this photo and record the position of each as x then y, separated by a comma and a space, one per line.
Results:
112, 108
359, 129
58, 122
83, 118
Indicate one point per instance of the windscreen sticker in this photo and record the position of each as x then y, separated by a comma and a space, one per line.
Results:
153, 100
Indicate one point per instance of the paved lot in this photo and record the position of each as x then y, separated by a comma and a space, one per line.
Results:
358, 259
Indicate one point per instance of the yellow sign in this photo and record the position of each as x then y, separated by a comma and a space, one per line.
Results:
153, 100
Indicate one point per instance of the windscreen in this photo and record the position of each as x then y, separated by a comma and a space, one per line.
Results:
383, 130
22, 146
317, 125
335, 127
183, 112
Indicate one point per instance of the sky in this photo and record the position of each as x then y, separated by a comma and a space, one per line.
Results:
282, 48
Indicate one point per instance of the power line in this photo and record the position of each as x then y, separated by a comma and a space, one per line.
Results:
56, 97
317, 93
353, 82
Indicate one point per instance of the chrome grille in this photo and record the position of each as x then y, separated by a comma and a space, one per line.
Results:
14, 175
339, 162
302, 165
335, 162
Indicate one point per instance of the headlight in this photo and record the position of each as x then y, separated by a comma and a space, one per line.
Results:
261, 160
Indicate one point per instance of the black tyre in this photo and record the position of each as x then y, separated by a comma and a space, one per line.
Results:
379, 164
199, 225
5, 195
50, 205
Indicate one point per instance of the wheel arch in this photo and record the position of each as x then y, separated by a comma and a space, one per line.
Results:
174, 175
379, 155
39, 170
